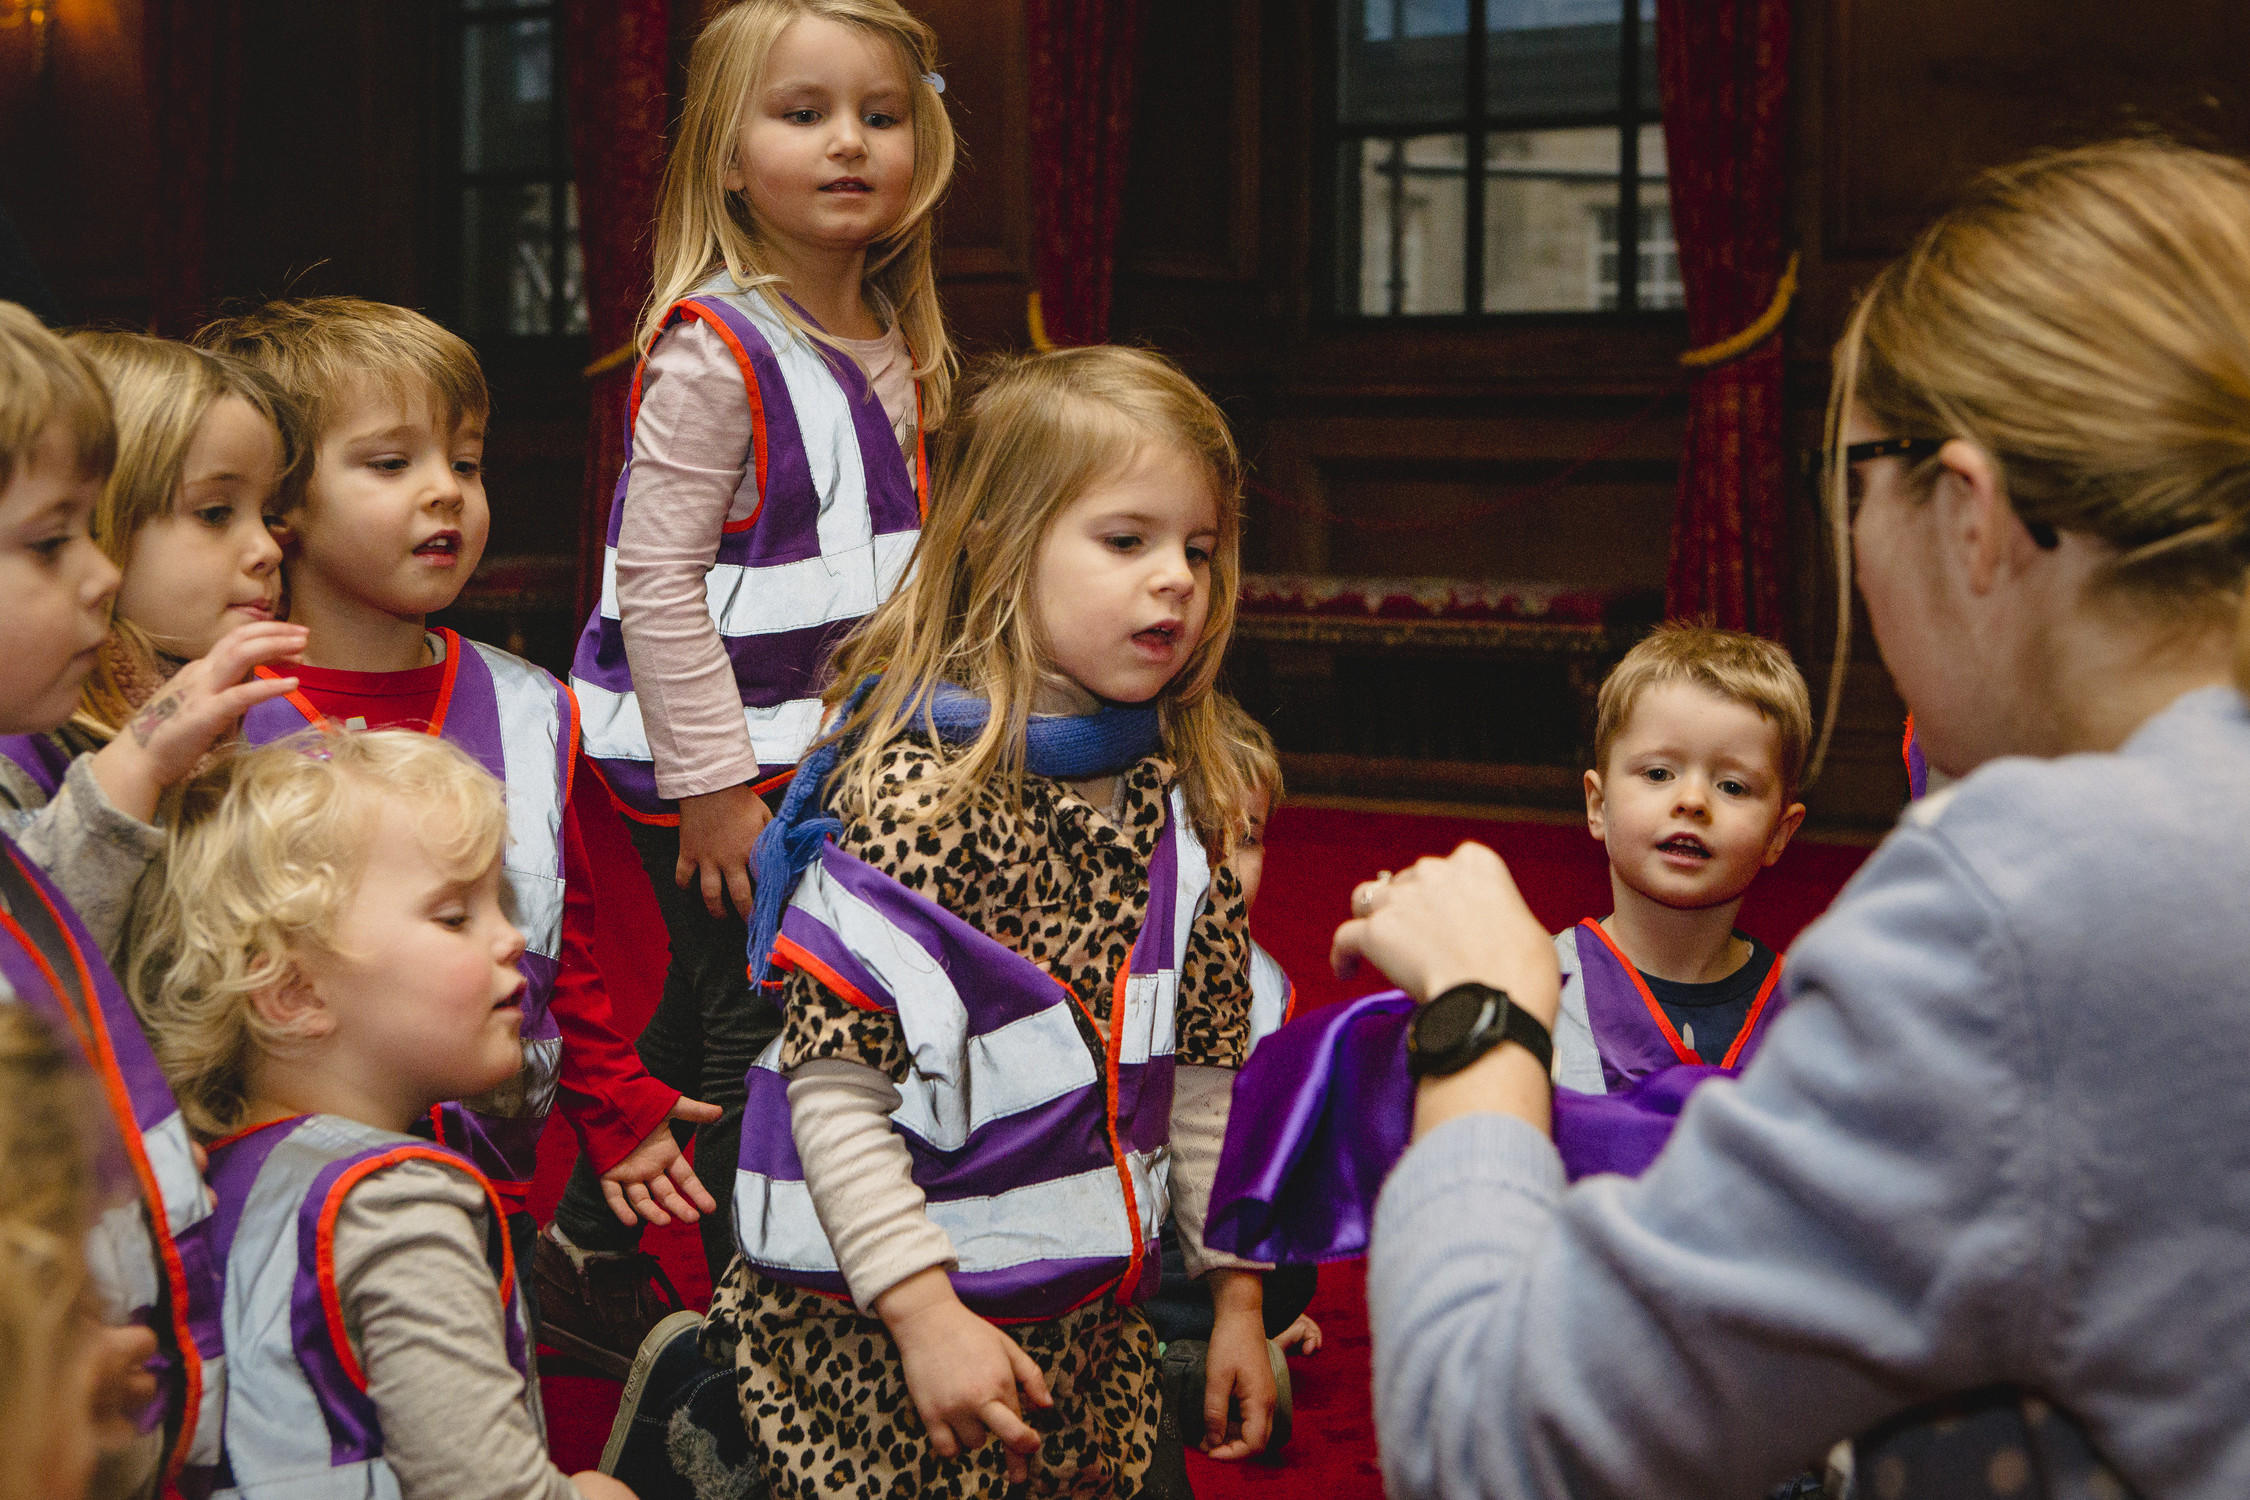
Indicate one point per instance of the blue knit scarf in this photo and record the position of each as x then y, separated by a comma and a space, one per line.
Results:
1067, 747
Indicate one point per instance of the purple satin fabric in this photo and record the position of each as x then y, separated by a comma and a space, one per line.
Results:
1325, 1107
39, 757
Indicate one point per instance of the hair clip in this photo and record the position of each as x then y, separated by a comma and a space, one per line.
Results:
936, 81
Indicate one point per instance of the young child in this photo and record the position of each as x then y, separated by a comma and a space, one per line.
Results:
55, 1420
331, 961
775, 484
921, 1163
1700, 737
149, 1256
203, 443
385, 522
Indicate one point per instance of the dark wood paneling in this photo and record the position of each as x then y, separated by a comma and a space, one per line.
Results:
1191, 191
985, 226
1925, 92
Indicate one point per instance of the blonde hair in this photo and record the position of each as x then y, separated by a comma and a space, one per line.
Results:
1253, 747
318, 350
702, 228
1737, 666
1031, 435
161, 391
46, 1208
2082, 317
42, 381
265, 857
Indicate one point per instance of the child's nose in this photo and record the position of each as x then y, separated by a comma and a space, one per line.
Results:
102, 579
264, 553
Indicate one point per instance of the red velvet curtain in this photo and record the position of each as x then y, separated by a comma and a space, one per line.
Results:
193, 57
1724, 69
1082, 56
618, 52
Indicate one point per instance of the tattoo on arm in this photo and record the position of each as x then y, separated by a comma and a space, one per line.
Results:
152, 717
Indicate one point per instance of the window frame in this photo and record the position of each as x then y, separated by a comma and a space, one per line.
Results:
1337, 306
455, 181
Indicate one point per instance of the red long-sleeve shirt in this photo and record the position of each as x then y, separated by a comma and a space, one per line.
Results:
609, 1099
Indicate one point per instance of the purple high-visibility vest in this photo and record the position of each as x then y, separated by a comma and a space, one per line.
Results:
1325, 1108
1045, 1165
1633, 1039
519, 723
41, 757
151, 1258
821, 531
298, 1419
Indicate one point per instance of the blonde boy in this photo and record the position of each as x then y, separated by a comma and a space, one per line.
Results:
1699, 744
384, 526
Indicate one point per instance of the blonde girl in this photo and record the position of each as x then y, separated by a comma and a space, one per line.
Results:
330, 961
1994, 1147
951, 1180
793, 355
204, 445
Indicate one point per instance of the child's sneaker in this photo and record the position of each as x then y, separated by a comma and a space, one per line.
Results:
679, 1433
598, 1306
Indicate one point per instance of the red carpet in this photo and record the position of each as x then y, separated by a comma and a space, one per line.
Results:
1314, 857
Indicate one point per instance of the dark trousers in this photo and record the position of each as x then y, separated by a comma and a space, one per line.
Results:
1181, 1308
707, 1029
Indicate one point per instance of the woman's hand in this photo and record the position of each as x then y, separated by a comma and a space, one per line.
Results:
962, 1373
1443, 922
657, 1182
202, 703
1239, 1372
717, 831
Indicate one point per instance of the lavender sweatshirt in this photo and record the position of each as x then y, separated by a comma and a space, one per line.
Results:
2002, 1134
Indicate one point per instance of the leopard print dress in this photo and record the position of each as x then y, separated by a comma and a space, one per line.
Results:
1066, 885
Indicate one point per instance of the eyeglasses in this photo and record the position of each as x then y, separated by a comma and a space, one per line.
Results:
1916, 450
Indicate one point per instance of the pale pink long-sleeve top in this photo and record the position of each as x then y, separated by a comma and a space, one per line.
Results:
691, 447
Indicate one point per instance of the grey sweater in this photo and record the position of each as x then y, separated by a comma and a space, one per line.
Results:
2002, 1134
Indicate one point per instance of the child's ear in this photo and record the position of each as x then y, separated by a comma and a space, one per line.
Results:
292, 1008
1792, 818
1596, 823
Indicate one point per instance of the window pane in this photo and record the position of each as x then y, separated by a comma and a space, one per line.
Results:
1413, 200
507, 96
574, 267
1401, 61
1550, 220
1651, 103
1660, 257
1554, 57
509, 253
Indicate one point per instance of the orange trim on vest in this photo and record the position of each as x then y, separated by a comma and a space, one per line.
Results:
1680, 1049
324, 1261
314, 718
1757, 1008
921, 455
248, 1131
775, 782
626, 809
788, 953
453, 650
93, 1037
570, 761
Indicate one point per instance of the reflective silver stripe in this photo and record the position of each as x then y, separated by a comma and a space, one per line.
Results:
1067, 1218
1008, 1070
609, 727
275, 1432
749, 599
171, 1160
531, 730
1269, 993
370, 1479
1578, 1059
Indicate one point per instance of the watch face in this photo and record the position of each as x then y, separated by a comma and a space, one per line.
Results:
1449, 1022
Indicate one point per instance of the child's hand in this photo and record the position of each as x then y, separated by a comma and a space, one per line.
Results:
962, 1372
595, 1485
120, 1387
650, 1182
1240, 1372
203, 701
1303, 1336
716, 832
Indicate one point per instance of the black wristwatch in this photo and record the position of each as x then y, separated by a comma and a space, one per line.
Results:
1465, 1023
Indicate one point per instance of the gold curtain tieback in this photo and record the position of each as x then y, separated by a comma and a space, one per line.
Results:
623, 354
1734, 346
